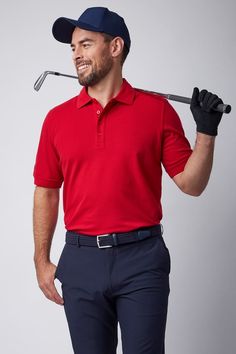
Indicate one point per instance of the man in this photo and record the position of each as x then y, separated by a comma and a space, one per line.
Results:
107, 145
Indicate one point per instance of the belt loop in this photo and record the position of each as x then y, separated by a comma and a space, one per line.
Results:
77, 241
162, 229
139, 236
142, 234
114, 237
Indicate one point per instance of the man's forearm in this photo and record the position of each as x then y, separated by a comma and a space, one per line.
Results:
45, 213
195, 176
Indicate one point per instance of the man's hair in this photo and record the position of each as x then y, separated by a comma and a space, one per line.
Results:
109, 38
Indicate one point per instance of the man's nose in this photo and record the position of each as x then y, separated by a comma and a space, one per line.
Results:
77, 54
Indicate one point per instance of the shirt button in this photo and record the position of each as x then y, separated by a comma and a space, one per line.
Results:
98, 112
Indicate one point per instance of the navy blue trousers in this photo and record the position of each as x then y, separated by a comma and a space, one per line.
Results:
128, 284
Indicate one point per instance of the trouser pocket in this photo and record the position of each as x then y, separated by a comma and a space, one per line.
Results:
58, 272
164, 254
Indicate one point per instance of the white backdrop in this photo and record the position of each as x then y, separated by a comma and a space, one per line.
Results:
176, 45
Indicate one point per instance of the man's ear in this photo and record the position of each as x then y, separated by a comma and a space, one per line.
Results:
117, 45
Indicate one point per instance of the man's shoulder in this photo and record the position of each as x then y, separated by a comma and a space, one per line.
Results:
60, 112
68, 105
149, 96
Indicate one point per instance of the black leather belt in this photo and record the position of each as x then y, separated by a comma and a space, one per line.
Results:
113, 239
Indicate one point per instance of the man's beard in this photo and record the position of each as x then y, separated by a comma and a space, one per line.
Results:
97, 74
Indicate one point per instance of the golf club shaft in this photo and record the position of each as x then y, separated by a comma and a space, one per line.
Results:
224, 108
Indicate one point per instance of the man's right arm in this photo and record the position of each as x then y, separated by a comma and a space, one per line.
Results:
45, 214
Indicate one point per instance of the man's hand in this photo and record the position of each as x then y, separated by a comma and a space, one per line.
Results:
206, 118
45, 275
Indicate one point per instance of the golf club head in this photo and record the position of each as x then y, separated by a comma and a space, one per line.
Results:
41, 79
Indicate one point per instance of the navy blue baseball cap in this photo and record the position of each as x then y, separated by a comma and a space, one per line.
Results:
96, 19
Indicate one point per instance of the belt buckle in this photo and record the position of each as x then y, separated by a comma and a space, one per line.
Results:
99, 236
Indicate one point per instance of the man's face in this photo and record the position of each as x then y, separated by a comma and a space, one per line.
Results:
91, 56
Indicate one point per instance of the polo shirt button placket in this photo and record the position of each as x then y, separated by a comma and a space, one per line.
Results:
99, 138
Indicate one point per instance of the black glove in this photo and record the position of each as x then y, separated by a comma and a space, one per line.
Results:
206, 118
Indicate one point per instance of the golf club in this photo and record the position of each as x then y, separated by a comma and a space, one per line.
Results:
224, 108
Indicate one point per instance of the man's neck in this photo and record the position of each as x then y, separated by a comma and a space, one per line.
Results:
105, 90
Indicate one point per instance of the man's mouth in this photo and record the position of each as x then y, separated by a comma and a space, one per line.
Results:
82, 67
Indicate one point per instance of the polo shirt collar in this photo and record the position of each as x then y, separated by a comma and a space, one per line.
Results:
83, 98
125, 95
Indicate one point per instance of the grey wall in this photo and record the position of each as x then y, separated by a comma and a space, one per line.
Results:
175, 46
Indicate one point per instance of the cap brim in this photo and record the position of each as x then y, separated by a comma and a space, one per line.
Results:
63, 28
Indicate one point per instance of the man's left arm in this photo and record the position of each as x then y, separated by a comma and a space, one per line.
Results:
193, 180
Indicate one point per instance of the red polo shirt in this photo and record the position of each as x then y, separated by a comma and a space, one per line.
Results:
110, 159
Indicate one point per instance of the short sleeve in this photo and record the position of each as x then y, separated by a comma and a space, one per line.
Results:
47, 170
176, 149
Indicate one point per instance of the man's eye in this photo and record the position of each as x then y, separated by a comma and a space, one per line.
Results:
86, 45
